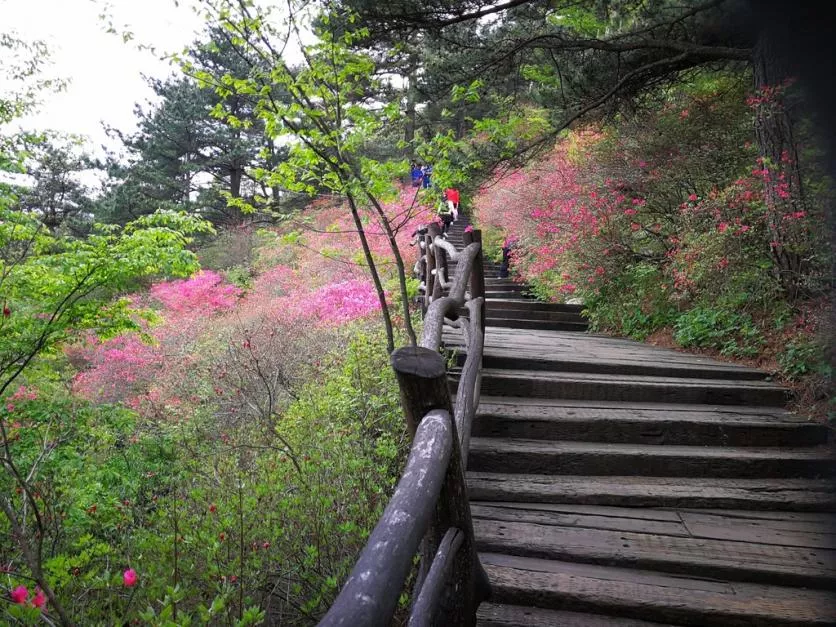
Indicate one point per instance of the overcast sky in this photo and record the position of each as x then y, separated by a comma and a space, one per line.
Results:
105, 73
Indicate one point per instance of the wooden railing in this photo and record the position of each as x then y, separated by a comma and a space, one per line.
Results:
429, 508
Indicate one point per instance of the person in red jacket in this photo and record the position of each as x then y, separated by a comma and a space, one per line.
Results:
452, 196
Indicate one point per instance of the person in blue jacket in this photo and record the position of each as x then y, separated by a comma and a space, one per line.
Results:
417, 174
428, 170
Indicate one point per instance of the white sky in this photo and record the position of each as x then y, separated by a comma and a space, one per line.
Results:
105, 73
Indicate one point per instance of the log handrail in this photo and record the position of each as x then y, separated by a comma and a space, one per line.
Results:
430, 507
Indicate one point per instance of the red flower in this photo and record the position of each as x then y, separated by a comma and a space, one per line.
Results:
39, 600
129, 578
222, 536
6, 312
213, 508
266, 545
19, 595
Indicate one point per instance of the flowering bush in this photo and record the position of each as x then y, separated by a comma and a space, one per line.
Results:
665, 212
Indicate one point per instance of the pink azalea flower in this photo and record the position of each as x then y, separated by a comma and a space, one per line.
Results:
468, 229
39, 600
129, 578
19, 595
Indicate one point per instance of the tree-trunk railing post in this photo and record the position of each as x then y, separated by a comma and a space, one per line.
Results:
429, 251
422, 378
477, 276
433, 231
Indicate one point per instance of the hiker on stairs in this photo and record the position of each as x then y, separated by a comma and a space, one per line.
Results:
445, 212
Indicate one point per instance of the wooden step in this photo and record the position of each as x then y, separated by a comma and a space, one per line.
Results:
653, 389
533, 305
537, 534
595, 458
652, 596
799, 529
578, 325
535, 314
803, 495
642, 423
502, 293
494, 615
520, 358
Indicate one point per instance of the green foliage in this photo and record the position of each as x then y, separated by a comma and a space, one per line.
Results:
731, 332
634, 301
803, 356
55, 285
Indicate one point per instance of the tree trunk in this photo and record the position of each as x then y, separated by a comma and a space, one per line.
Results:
378, 286
779, 166
409, 130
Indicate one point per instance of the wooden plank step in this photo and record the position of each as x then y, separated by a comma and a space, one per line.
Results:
491, 294
579, 325
752, 561
591, 386
527, 359
530, 304
595, 458
799, 495
535, 314
651, 596
801, 529
572, 352
494, 615
642, 423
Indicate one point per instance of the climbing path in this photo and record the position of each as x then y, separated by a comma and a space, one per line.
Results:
618, 484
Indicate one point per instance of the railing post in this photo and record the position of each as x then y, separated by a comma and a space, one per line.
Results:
432, 231
422, 377
477, 276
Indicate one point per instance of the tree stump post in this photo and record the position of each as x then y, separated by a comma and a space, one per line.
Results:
422, 378
477, 275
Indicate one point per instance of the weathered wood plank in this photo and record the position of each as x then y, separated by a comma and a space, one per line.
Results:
785, 533
643, 427
654, 597
561, 519
722, 559
695, 492
602, 511
580, 385
544, 407
493, 615
782, 528
594, 458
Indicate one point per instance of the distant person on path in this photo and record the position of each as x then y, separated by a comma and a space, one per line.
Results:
452, 196
507, 245
427, 172
417, 174
446, 215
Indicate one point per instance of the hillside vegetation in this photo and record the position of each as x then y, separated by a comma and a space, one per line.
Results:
198, 420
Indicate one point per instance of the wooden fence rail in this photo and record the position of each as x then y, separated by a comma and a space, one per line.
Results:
429, 508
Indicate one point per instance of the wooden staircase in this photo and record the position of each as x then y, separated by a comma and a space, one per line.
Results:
614, 483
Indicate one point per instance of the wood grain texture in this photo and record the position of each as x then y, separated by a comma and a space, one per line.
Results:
745, 560
803, 495
652, 596
494, 615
